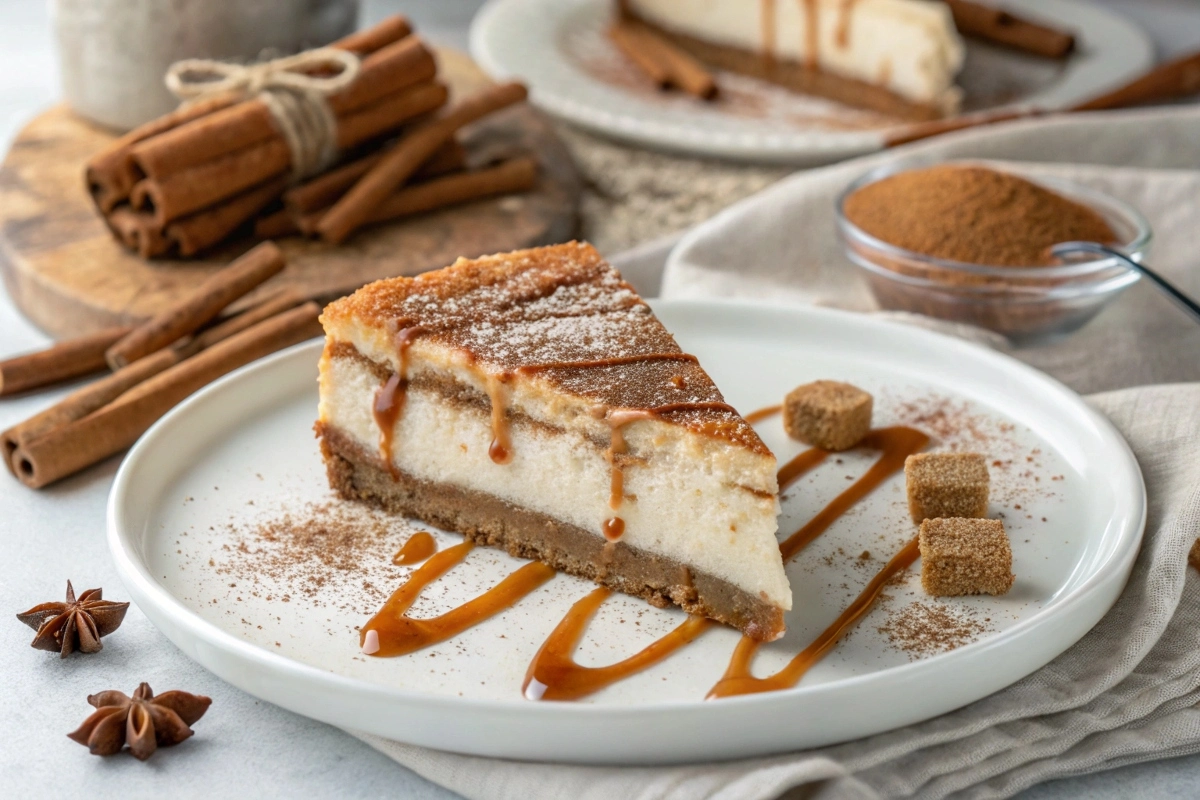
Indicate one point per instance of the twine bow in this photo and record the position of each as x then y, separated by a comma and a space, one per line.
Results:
294, 89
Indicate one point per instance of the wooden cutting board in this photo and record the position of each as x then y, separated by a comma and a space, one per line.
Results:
67, 274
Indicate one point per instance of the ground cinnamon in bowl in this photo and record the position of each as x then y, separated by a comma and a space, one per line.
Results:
973, 215
967, 243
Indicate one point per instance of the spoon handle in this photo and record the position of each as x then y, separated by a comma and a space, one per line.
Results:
1182, 300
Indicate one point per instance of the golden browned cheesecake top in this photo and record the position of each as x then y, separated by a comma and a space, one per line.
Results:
561, 313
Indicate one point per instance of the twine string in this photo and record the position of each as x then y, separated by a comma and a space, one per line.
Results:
295, 90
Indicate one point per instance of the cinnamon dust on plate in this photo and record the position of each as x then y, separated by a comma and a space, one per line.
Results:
973, 215
923, 629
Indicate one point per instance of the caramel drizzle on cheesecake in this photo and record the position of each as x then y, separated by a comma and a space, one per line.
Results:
812, 33
767, 11
500, 450
845, 17
389, 399
554, 674
614, 527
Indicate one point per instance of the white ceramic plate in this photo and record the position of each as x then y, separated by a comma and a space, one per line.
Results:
242, 451
559, 48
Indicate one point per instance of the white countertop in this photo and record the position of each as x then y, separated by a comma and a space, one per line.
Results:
244, 747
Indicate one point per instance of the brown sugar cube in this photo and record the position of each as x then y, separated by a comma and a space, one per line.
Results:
828, 414
946, 485
1194, 555
965, 556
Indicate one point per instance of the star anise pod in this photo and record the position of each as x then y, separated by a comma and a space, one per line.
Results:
143, 721
75, 624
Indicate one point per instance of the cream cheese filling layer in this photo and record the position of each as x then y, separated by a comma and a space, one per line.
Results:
909, 47
677, 504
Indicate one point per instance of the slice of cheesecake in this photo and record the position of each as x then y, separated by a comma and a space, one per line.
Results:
532, 401
899, 57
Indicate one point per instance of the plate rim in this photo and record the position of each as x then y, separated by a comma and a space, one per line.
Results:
802, 147
155, 600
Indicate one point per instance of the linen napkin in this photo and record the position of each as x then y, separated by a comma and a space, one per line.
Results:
1124, 693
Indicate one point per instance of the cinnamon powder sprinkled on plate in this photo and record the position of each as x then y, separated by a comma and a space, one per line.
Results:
926, 629
320, 544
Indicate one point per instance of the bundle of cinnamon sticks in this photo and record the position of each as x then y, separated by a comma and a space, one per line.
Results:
191, 179
422, 170
150, 368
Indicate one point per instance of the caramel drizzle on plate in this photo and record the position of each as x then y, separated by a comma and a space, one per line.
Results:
554, 674
391, 633
895, 444
420, 546
762, 413
738, 678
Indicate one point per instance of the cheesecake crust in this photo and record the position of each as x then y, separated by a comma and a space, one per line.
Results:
359, 475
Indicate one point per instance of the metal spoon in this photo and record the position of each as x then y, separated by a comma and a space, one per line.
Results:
1182, 300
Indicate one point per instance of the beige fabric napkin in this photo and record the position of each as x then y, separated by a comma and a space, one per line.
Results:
1127, 691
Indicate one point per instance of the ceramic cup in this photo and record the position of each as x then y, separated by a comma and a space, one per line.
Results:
113, 53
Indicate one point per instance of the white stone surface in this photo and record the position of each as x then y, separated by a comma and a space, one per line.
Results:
243, 747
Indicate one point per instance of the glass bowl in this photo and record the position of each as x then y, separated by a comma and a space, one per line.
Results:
1028, 305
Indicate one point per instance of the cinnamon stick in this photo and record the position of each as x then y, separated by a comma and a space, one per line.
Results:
397, 66
400, 162
629, 43
72, 447
84, 401
111, 174
324, 190
200, 231
138, 231
100, 393
1002, 27
657, 56
277, 303
70, 358
517, 175
235, 280
389, 30
1176, 78
276, 225
183, 193
924, 130
385, 116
